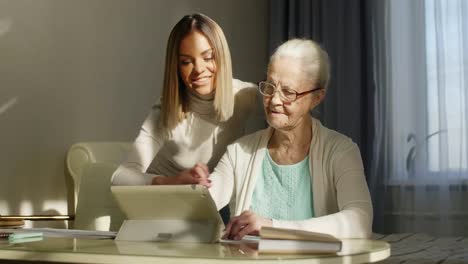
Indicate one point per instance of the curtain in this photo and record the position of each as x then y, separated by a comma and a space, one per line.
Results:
421, 144
399, 90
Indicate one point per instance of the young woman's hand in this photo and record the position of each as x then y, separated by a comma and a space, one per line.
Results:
248, 223
197, 175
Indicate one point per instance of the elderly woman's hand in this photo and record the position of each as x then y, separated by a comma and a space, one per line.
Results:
248, 223
197, 175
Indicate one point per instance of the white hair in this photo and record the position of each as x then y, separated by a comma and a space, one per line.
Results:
314, 60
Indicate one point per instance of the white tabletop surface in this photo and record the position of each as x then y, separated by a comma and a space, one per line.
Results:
70, 250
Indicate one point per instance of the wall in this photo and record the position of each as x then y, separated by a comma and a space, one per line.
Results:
87, 70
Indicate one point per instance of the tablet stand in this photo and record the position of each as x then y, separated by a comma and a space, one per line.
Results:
175, 230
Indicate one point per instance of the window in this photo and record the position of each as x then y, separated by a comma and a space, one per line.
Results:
428, 51
446, 106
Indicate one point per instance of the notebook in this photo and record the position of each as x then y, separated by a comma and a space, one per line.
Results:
171, 213
282, 240
289, 241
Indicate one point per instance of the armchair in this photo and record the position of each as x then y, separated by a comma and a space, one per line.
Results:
91, 165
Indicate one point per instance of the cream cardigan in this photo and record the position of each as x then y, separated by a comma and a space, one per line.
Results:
342, 204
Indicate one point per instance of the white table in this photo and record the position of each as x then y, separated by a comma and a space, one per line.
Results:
69, 250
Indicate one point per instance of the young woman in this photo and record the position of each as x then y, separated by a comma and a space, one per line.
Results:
201, 111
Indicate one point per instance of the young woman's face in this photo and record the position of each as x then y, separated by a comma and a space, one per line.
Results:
197, 67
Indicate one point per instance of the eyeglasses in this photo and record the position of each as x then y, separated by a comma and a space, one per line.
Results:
287, 94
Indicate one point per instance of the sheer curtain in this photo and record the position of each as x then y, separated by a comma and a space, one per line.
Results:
399, 90
420, 166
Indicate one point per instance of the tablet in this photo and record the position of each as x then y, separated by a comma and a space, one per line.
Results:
184, 213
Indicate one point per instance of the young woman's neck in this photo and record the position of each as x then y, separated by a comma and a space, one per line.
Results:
201, 104
204, 97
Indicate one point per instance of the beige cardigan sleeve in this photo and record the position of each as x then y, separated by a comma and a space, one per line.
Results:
222, 180
354, 216
144, 149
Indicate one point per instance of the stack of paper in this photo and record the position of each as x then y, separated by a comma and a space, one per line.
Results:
72, 233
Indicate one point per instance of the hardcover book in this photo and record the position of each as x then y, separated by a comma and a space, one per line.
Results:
11, 223
280, 240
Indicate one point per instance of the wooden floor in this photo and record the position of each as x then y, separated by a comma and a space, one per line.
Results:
423, 248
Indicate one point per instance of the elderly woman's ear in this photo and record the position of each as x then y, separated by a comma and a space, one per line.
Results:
318, 97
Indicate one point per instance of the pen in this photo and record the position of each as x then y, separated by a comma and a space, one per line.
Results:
23, 235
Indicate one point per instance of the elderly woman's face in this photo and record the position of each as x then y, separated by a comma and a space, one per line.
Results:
197, 67
285, 72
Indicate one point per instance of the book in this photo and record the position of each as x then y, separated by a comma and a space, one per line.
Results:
11, 223
56, 232
281, 240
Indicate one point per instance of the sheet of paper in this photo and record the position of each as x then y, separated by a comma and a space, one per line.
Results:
245, 239
74, 233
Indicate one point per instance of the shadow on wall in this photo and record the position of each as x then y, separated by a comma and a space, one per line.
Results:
25, 206
4, 108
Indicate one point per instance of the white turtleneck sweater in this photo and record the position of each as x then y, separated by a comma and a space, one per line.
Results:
198, 138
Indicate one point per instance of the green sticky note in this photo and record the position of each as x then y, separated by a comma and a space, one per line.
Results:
24, 235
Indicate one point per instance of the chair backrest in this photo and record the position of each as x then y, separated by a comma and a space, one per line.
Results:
96, 208
81, 154
91, 165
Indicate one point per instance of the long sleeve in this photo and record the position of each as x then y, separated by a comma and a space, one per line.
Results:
133, 170
354, 216
222, 180
200, 137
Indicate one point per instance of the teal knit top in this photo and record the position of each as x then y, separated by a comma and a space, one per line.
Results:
283, 192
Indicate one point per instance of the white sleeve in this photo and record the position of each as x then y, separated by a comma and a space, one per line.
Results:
222, 180
354, 219
133, 170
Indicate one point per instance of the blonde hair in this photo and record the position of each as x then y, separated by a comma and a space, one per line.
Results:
314, 60
173, 102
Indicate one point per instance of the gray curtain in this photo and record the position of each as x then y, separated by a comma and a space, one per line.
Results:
345, 31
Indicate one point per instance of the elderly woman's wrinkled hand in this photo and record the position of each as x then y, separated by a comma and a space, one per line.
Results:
248, 223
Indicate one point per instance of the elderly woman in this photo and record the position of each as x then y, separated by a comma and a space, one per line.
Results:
297, 173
